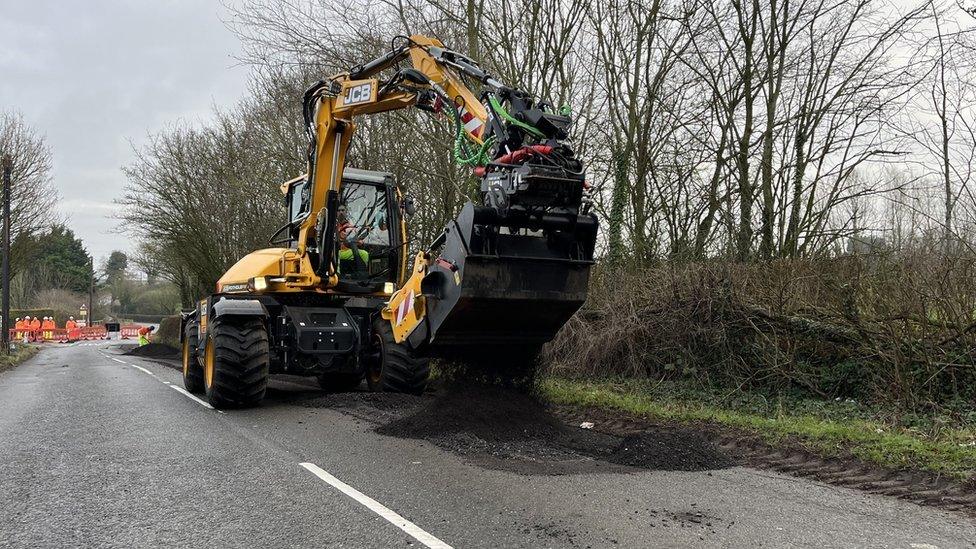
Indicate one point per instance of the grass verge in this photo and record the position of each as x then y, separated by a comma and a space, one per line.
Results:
841, 428
19, 354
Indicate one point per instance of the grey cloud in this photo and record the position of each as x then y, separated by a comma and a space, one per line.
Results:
94, 75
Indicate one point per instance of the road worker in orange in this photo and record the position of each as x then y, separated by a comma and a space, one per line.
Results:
35, 328
48, 326
144, 334
71, 327
18, 328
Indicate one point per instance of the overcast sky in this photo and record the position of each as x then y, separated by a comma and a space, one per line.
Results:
95, 76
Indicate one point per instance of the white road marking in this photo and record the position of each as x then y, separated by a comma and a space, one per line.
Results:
193, 397
391, 516
182, 391
141, 369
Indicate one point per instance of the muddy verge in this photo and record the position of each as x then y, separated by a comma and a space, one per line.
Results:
791, 457
155, 350
504, 429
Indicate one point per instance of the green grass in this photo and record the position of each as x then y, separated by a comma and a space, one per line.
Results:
828, 427
20, 353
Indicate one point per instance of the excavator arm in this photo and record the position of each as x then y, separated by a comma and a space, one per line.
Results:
331, 106
525, 249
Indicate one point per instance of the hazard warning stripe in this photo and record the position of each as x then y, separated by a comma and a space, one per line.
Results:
471, 123
405, 307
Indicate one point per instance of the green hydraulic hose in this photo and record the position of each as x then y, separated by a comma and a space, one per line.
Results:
462, 154
495, 104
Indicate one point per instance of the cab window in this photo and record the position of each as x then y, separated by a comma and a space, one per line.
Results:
298, 202
363, 232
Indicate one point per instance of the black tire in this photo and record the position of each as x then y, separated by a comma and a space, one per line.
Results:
235, 362
192, 370
340, 383
392, 367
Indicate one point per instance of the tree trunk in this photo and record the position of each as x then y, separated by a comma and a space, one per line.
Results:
617, 204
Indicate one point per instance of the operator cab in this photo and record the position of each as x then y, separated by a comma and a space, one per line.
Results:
368, 230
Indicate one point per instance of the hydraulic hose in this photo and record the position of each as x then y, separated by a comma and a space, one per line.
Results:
497, 105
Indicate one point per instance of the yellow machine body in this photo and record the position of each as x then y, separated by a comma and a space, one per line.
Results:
338, 297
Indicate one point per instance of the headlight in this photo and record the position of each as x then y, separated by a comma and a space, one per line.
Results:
259, 283
388, 288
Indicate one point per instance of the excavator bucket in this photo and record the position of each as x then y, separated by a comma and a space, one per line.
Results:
504, 282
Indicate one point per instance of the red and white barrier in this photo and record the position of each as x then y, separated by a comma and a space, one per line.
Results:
89, 333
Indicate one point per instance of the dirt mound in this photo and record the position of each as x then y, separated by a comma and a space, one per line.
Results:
510, 430
670, 449
487, 412
375, 408
155, 350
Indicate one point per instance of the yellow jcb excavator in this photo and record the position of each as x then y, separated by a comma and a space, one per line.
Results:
339, 299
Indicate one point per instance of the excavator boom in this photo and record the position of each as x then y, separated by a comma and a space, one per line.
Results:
513, 268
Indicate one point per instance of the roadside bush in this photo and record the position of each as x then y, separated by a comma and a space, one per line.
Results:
158, 299
60, 304
33, 313
899, 327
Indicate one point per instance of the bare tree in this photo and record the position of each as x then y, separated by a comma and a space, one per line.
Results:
942, 123
33, 197
203, 198
752, 128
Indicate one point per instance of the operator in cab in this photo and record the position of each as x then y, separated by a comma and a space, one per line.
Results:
351, 240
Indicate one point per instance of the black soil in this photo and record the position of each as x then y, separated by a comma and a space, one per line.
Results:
506, 429
671, 449
155, 350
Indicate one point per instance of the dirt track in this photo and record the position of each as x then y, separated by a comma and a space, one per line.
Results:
507, 430
156, 351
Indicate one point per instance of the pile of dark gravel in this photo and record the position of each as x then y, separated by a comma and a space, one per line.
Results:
508, 425
155, 350
669, 449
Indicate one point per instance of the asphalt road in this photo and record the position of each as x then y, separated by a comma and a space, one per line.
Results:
99, 449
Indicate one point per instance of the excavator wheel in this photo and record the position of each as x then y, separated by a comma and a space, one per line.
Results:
235, 362
192, 370
392, 367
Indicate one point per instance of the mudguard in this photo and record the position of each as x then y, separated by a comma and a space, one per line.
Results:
238, 307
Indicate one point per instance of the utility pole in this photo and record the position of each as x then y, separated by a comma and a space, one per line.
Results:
91, 293
5, 268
